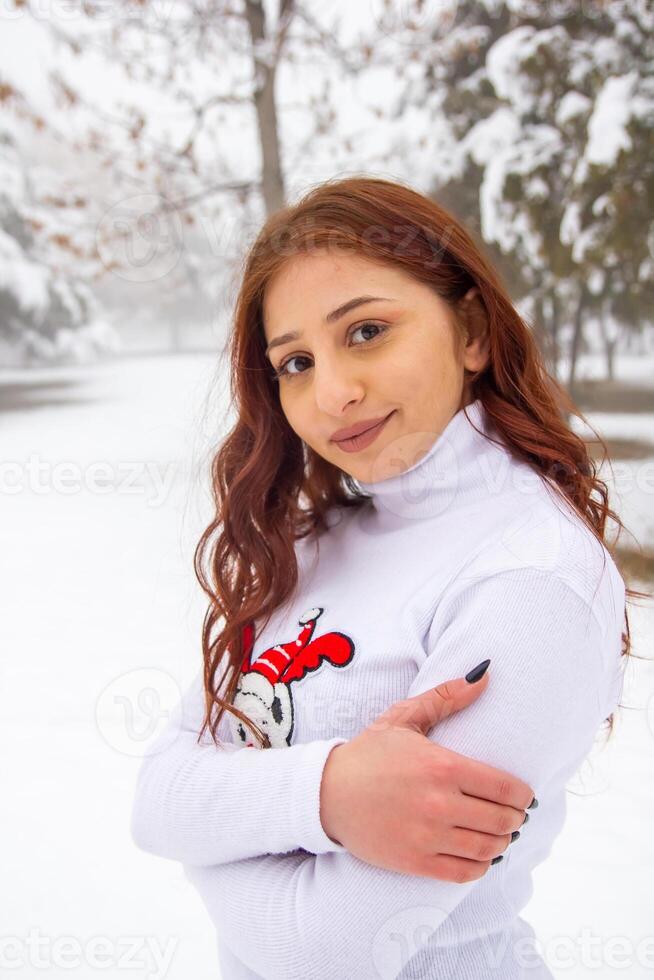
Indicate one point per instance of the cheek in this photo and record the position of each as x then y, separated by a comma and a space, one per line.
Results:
295, 416
424, 369
432, 386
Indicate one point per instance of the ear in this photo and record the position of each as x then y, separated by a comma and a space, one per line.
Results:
474, 318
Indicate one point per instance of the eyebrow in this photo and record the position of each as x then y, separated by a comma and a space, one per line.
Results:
336, 314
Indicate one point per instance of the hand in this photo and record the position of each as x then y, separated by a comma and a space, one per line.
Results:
396, 800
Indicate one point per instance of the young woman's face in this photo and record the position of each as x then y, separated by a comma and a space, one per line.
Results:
356, 361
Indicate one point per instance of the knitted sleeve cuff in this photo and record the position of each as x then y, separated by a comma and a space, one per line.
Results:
305, 802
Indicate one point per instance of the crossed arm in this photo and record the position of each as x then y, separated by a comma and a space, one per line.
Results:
330, 915
206, 805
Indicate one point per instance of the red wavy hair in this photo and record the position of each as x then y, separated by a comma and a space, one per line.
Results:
270, 489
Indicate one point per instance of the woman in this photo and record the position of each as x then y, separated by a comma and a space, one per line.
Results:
355, 580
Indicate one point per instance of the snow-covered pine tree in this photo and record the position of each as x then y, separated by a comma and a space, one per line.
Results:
549, 111
46, 315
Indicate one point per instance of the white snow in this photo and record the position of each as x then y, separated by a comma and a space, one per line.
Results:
631, 481
572, 105
503, 59
28, 281
503, 221
111, 465
607, 126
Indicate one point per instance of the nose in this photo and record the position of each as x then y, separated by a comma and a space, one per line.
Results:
336, 385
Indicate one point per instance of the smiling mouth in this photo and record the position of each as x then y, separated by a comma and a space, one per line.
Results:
363, 439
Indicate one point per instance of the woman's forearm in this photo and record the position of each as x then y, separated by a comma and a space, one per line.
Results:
332, 916
204, 805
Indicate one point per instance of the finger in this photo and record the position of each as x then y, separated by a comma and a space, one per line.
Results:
423, 711
478, 779
487, 817
449, 868
473, 844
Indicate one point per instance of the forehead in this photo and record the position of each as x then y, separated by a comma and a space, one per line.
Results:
313, 284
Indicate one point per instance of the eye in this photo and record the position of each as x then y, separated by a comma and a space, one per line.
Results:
283, 372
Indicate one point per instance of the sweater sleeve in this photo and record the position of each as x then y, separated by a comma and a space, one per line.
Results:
206, 804
333, 916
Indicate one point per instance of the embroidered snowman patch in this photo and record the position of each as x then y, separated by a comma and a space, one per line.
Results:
264, 689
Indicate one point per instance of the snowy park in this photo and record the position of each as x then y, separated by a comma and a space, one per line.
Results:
102, 603
142, 145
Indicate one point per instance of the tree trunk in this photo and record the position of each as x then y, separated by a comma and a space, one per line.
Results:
610, 343
272, 181
541, 332
610, 359
577, 338
555, 323
548, 310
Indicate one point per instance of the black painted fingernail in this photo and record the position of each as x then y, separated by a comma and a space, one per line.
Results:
477, 672
515, 835
526, 818
497, 859
533, 804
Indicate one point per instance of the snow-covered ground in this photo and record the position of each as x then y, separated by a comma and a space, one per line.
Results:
105, 496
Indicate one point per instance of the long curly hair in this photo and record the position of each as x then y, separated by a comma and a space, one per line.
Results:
270, 489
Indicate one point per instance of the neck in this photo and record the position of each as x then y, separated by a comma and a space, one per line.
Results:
458, 466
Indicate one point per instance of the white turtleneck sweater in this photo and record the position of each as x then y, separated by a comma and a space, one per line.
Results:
466, 555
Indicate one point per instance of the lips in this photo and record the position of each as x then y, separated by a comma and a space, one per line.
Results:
344, 435
365, 438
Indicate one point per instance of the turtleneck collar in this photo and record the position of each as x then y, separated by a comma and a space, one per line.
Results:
461, 463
